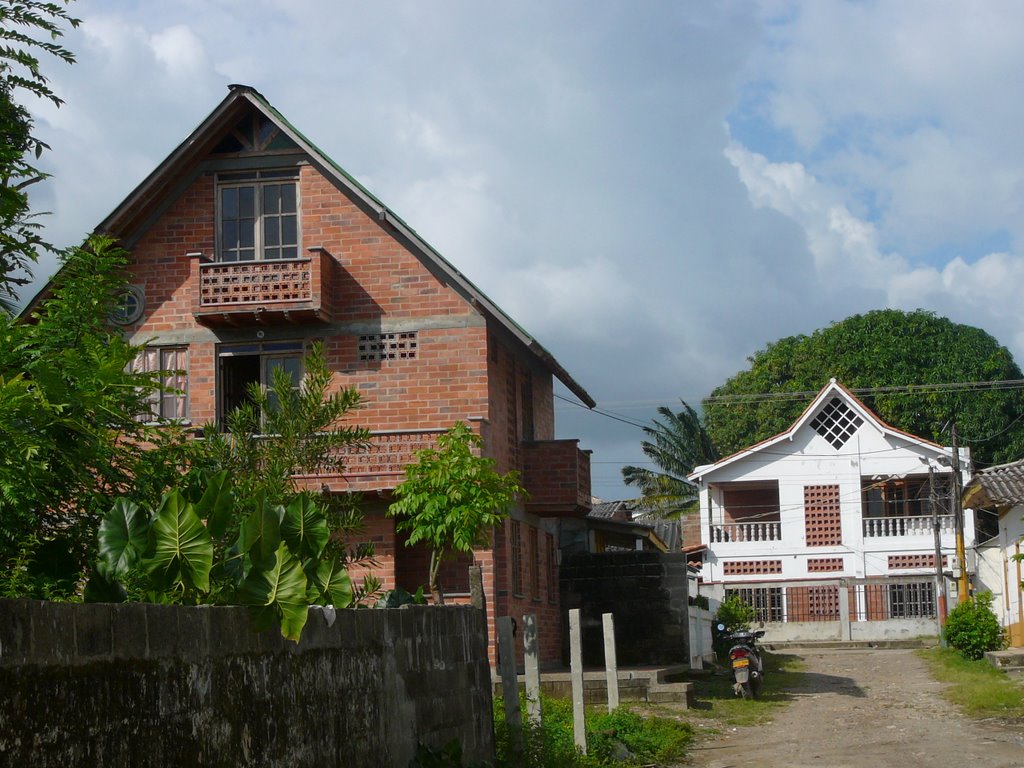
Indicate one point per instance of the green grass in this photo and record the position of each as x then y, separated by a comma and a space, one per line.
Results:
976, 687
715, 700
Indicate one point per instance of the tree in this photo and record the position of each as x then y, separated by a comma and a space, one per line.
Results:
678, 444
883, 348
451, 497
71, 414
20, 236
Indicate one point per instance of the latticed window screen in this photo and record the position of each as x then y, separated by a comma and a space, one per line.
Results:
903, 562
822, 522
516, 547
374, 347
745, 567
824, 564
836, 422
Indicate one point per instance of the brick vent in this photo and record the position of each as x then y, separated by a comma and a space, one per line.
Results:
747, 567
903, 562
824, 564
375, 347
822, 524
836, 422
255, 282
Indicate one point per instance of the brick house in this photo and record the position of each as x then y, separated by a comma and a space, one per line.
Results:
828, 529
248, 244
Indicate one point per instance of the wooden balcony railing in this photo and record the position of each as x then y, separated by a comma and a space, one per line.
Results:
746, 532
244, 292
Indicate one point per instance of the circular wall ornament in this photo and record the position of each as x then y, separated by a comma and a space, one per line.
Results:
130, 305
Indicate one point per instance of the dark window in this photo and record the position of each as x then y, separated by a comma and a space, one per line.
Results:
170, 367
516, 549
258, 217
241, 366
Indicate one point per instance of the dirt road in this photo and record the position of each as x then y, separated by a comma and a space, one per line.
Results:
866, 709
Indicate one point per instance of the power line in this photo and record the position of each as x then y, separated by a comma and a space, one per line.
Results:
899, 389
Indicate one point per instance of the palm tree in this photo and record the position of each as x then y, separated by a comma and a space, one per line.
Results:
678, 444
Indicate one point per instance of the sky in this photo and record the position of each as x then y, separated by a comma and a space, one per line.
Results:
653, 190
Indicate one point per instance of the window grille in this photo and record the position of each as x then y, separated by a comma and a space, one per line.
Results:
904, 562
836, 422
823, 524
746, 567
824, 564
552, 569
533, 552
913, 600
766, 601
516, 547
375, 347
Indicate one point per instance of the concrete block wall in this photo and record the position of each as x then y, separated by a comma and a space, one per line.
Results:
647, 594
153, 685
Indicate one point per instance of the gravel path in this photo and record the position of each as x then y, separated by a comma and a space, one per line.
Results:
866, 709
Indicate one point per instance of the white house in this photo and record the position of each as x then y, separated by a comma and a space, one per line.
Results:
1000, 490
828, 529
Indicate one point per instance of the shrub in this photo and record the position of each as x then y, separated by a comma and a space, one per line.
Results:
736, 615
972, 628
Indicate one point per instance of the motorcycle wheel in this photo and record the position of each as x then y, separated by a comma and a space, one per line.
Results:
746, 691
755, 687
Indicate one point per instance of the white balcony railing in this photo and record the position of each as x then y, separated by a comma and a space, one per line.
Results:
746, 532
920, 525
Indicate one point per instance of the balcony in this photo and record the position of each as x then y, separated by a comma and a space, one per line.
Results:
556, 474
262, 292
746, 532
916, 525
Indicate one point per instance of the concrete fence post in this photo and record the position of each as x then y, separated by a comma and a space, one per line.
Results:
510, 683
579, 726
531, 654
611, 666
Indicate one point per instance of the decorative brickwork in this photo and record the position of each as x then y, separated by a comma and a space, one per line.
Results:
822, 522
820, 603
824, 564
905, 562
255, 282
748, 567
375, 347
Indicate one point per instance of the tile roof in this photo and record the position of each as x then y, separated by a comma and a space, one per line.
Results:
998, 486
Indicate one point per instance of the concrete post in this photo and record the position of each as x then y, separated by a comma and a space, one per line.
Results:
579, 727
611, 666
531, 654
845, 630
509, 683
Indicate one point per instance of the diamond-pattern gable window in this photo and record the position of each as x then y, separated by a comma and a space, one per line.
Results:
836, 422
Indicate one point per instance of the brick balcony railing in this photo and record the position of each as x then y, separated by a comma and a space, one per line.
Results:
556, 474
291, 290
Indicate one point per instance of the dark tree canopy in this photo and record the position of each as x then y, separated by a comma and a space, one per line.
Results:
884, 348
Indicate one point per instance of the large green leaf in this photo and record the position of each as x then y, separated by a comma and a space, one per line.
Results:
180, 549
304, 527
217, 503
122, 538
333, 584
281, 587
260, 532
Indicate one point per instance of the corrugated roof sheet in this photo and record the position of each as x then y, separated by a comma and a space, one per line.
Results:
998, 486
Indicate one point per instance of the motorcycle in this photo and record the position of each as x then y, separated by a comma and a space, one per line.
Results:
745, 659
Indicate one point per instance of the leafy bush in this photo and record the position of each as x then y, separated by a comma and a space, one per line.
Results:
736, 615
620, 737
972, 628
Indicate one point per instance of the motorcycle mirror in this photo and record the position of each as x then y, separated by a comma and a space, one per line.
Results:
721, 627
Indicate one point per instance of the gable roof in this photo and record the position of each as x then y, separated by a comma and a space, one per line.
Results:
831, 390
133, 211
1001, 486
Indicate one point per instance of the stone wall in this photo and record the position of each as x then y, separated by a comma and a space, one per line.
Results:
647, 594
150, 685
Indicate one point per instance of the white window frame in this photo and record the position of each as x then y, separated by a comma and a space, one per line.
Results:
173, 383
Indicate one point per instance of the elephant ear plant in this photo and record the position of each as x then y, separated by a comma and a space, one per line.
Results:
277, 558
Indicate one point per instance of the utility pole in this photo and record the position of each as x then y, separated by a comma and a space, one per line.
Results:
962, 588
940, 577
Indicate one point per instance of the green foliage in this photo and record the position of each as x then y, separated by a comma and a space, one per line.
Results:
396, 598
678, 444
974, 685
884, 348
70, 410
448, 756
737, 616
451, 498
235, 557
639, 739
27, 28
972, 628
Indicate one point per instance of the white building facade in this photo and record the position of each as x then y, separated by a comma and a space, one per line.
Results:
828, 529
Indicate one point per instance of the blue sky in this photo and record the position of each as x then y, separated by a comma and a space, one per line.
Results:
655, 191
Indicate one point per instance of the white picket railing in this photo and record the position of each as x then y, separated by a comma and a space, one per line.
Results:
746, 532
919, 525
